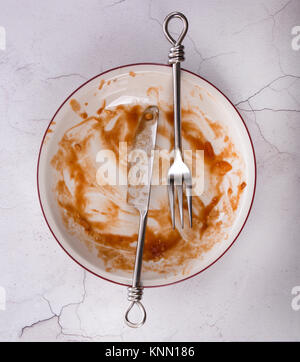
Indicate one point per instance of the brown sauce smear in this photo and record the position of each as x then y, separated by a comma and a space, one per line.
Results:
101, 84
170, 247
101, 108
75, 105
84, 115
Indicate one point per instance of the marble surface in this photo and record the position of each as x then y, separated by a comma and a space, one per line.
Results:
245, 49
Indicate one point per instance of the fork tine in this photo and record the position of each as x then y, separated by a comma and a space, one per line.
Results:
171, 201
179, 196
189, 203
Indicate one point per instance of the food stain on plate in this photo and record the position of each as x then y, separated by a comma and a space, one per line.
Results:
99, 215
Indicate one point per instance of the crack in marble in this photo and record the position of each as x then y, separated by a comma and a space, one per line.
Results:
292, 96
213, 57
82, 300
77, 304
287, 87
270, 15
188, 36
35, 324
114, 4
196, 48
271, 145
151, 17
266, 86
273, 17
282, 8
24, 67
61, 76
270, 109
58, 315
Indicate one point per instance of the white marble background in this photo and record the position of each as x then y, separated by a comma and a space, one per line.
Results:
244, 48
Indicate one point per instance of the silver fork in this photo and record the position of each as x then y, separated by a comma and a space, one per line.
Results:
178, 173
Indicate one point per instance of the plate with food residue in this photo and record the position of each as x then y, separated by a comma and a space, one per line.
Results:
86, 208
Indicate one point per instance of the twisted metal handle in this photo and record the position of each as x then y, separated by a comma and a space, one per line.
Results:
135, 292
134, 296
169, 17
176, 53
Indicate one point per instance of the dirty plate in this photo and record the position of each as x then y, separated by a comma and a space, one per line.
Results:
85, 145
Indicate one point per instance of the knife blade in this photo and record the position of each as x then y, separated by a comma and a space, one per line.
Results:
141, 165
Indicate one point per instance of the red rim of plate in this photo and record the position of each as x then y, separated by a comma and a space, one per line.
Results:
255, 176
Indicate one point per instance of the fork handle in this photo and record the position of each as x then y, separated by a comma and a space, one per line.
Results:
176, 56
176, 105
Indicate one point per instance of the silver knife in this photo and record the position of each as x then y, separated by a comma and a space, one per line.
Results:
138, 195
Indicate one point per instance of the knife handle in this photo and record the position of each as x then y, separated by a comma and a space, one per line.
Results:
135, 292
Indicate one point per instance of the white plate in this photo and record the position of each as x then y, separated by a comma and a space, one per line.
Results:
131, 85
